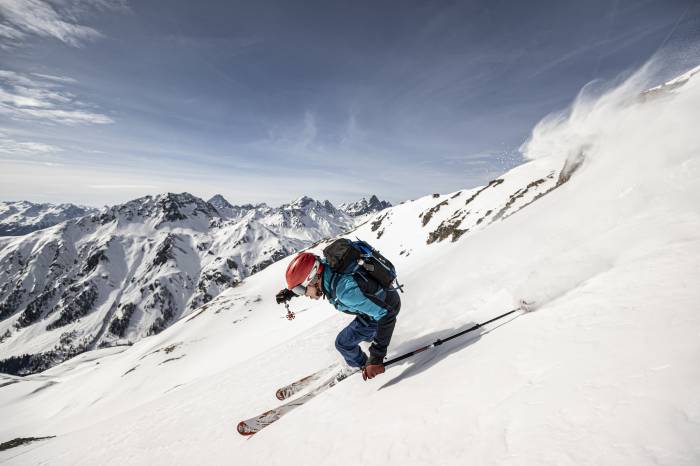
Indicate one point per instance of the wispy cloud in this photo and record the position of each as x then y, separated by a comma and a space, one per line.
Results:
298, 137
13, 147
21, 19
44, 98
50, 77
10, 34
309, 133
122, 186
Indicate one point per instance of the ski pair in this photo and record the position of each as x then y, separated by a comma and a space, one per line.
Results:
256, 424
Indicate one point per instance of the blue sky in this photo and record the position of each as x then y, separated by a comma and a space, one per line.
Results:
102, 101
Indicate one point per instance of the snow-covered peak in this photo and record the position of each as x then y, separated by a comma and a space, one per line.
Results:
309, 205
163, 208
301, 203
178, 206
235, 212
228, 210
220, 202
364, 206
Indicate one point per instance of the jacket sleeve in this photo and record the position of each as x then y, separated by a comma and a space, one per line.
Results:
385, 329
351, 296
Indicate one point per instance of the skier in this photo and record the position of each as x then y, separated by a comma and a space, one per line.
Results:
376, 311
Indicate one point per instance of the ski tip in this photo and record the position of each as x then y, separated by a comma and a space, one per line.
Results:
244, 429
527, 306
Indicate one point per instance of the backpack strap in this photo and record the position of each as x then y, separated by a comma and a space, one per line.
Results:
333, 285
361, 275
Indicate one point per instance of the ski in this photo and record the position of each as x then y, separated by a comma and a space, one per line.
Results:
256, 424
297, 386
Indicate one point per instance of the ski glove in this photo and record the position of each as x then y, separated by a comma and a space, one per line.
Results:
284, 295
371, 371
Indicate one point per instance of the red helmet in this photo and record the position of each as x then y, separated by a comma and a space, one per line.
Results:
303, 269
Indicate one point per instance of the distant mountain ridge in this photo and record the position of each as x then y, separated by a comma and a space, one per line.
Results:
23, 217
128, 271
364, 207
19, 218
226, 209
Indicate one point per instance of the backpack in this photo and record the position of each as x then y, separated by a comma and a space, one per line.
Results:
372, 271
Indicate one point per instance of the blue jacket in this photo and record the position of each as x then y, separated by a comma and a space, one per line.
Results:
349, 297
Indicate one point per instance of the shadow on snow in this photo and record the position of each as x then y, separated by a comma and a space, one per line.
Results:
425, 360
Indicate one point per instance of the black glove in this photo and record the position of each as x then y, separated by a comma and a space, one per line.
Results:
284, 295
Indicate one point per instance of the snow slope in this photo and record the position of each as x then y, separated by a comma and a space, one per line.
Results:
604, 371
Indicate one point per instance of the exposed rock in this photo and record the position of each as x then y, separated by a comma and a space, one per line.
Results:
277, 255
488, 212
119, 324
165, 251
446, 229
36, 308
93, 260
12, 303
32, 363
515, 196
491, 184
378, 222
75, 306
21, 441
570, 166
427, 215
162, 300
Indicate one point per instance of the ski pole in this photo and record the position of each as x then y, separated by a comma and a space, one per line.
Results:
290, 315
439, 342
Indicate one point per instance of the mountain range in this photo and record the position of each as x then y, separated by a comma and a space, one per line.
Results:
115, 276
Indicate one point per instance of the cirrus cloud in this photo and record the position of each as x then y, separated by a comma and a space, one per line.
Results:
57, 19
44, 98
13, 147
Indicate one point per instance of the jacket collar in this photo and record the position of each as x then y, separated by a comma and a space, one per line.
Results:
326, 277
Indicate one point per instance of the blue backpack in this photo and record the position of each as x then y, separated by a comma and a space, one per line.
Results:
372, 271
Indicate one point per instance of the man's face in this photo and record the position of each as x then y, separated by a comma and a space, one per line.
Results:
313, 290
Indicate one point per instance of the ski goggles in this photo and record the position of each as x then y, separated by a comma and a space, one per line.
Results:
300, 290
